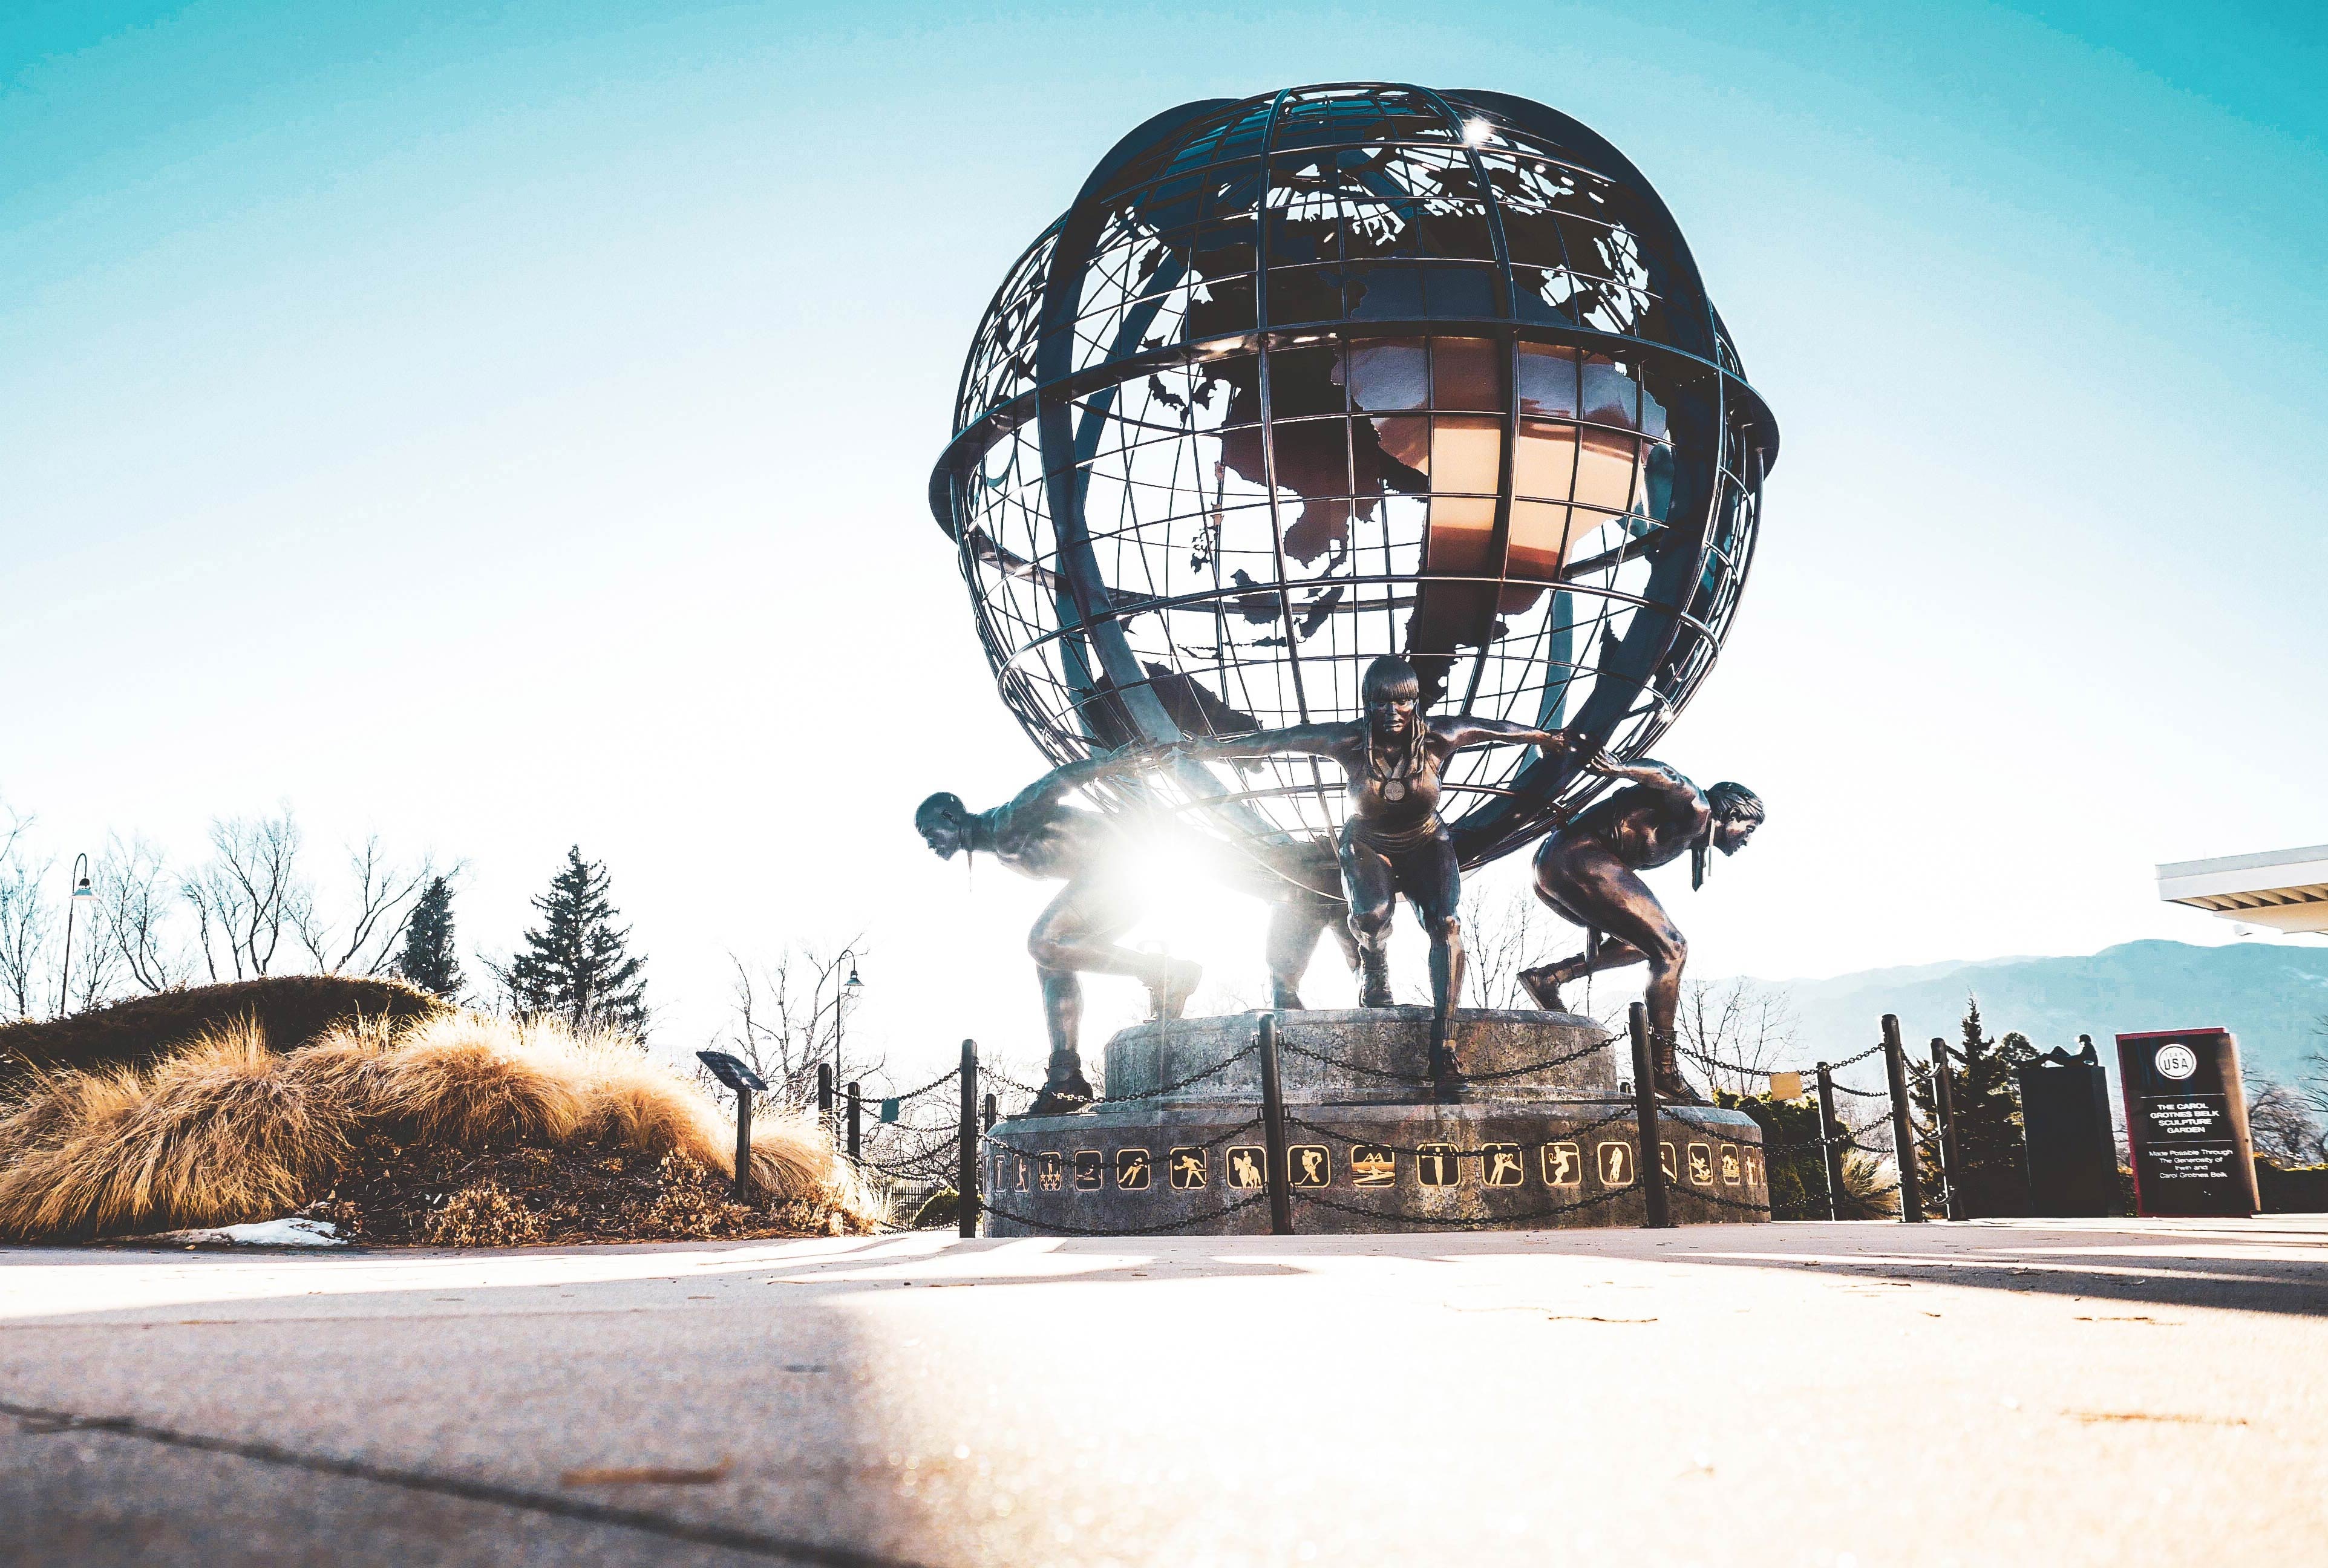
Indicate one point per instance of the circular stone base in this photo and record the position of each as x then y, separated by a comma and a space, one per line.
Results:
1544, 1134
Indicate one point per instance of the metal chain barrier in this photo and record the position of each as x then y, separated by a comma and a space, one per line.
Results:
1463, 1222
937, 1082
1215, 1141
1061, 1228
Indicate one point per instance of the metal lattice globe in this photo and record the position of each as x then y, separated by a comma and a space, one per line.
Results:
1341, 372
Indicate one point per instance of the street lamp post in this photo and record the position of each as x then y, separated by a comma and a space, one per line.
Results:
83, 893
842, 1003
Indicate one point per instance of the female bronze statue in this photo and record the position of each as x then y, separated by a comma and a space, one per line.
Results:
1392, 841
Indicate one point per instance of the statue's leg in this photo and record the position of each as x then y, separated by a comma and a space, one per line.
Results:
1295, 925
1558, 872
1610, 898
1430, 876
1373, 893
1065, 1087
1074, 936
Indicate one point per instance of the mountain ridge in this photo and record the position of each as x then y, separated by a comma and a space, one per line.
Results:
2273, 996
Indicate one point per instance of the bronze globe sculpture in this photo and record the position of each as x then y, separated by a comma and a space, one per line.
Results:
1345, 371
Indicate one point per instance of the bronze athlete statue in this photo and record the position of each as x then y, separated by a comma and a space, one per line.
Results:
1586, 871
1037, 834
1392, 841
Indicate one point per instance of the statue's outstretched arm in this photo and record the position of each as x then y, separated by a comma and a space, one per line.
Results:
1053, 786
1309, 739
1459, 733
1649, 772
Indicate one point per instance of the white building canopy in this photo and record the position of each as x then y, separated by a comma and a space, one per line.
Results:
2286, 889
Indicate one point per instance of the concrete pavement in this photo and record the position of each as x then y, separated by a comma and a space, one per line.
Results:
2051, 1392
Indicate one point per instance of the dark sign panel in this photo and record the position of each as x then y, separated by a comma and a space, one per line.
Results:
2066, 1128
2186, 1123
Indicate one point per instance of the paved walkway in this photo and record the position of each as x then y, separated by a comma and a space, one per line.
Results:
2061, 1393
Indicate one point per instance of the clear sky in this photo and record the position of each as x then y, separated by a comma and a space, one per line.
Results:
503, 427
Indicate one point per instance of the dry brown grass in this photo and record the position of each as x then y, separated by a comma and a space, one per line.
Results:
222, 1130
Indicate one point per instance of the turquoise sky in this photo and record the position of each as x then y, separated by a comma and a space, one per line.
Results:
507, 426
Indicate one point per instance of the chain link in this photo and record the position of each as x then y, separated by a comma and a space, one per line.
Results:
1060, 1228
935, 1082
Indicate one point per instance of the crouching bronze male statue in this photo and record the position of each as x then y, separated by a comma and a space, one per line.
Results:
1585, 872
1037, 834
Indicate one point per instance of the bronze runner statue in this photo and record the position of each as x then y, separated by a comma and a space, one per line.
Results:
1037, 834
1586, 872
1392, 841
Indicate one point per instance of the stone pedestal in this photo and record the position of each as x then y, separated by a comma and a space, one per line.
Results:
1543, 1133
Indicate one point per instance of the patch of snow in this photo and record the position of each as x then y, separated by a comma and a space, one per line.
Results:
264, 1233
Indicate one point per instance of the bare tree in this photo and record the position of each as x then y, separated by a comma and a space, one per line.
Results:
133, 890
2286, 1127
26, 930
785, 1018
1501, 938
1738, 1030
249, 894
382, 895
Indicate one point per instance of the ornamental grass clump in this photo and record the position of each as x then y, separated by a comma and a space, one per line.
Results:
452, 1128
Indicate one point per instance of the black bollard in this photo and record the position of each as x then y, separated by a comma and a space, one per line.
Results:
1651, 1157
1273, 1132
824, 1097
1830, 1146
1903, 1128
965, 1179
856, 1122
989, 1112
1944, 1106
743, 1145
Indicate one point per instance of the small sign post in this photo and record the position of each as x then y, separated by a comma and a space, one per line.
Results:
2186, 1123
737, 1075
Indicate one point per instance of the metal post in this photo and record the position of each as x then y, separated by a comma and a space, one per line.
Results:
965, 1181
1273, 1132
72, 905
824, 1097
989, 1112
1944, 1106
743, 1146
1645, 1120
1829, 1145
856, 1122
1903, 1128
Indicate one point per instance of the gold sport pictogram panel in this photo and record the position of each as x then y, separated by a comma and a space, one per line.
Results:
1438, 1165
1309, 1164
1133, 1169
1701, 1164
1186, 1168
1668, 1161
1502, 1165
1614, 1162
1733, 1171
1090, 1165
1050, 1172
1371, 1165
1753, 1165
1247, 1166
1564, 1165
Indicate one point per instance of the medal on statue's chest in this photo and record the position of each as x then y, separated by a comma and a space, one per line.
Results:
1393, 789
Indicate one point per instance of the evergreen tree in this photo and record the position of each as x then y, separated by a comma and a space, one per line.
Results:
1993, 1180
428, 959
576, 965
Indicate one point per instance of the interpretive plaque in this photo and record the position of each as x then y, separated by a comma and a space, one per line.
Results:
2186, 1123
